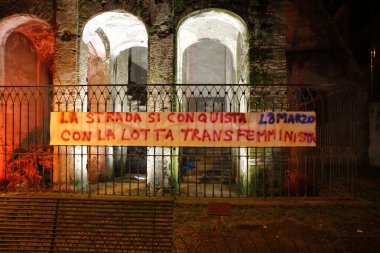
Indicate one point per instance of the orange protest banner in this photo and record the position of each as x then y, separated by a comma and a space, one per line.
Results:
212, 129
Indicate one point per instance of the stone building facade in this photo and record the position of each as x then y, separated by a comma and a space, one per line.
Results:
284, 42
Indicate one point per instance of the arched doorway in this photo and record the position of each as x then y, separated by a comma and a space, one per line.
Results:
212, 52
114, 54
26, 60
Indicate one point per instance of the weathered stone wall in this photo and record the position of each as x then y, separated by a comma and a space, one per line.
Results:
290, 41
264, 19
157, 19
161, 46
44, 10
317, 55
265, 23
66, 45
40, 35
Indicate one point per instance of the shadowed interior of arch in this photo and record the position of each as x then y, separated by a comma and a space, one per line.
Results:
211, 49
115, 51
26, 58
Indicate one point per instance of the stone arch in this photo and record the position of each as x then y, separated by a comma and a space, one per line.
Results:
114, 50
212, 48
217, 27
26, 59
111, 43
27, 29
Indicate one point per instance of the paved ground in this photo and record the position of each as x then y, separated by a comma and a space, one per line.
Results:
285, 225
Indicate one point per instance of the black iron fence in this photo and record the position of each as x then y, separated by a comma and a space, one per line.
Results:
29, 163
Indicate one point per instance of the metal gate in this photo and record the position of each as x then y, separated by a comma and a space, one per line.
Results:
29, 164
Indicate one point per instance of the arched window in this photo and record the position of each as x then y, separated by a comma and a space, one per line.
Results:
26, 59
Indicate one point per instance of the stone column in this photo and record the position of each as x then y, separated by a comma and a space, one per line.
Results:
162, 170
69, 162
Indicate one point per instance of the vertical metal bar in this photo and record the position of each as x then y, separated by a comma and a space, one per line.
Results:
288, 172
121, 170
26, 151
35, 181
122, 165
186, 158
354, 175
154, 172
146, 175
189, 155
130, 158
75, 151
354, 141
272, 177
248, 172
104, 156
230, 173
212, 170
113, 155
74, 172
113, 170
264, 172
21, 153
330, 173
314, 181
298, 172
323, 165
281, 172
163, 170
28, 148
42, 139
58, 148
82, 167
105, 149
197, 171
171, 180
204, 171
221, 174
51, 157
238, 177
180, 169
256, 173
66, 169
306, 176
88, 167
6, 143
